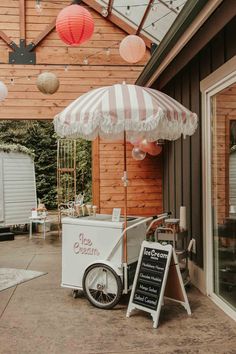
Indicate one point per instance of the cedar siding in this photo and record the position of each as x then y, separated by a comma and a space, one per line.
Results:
145, 180
182, 176
24, 100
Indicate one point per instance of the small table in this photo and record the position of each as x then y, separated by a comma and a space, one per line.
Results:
38, 220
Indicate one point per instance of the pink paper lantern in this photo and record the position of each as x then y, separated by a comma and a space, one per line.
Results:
132, 48
74, 25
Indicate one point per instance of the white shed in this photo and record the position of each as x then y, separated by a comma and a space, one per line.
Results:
17, 185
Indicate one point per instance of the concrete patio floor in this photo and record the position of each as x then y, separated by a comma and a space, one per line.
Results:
41, 317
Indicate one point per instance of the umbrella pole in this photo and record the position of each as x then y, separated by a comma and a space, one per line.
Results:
125, 180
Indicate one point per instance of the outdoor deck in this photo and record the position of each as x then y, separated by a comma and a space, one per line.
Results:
40, 317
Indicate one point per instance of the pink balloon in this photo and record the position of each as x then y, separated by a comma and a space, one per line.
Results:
136, 142
145, 146
132, 48
151, 148
155, 150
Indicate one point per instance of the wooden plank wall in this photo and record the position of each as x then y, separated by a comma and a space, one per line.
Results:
182, 168
145, 181
24, 100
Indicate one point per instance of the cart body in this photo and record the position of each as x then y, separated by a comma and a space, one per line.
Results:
89, 240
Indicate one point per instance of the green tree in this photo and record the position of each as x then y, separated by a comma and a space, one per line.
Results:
39, 136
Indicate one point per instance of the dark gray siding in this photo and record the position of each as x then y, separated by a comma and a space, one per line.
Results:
182, 179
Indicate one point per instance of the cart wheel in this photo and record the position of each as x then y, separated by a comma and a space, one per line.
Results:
102, 286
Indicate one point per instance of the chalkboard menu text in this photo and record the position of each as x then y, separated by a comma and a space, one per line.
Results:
157, 274
150, 277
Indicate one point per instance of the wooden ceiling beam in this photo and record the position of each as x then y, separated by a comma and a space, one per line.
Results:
109, 6
44, 33
6, 39
168, 7
22, 18
145, 15
117, 21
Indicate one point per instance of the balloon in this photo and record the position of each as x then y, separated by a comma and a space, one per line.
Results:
151, 148
155, 149
145, 145
138, 154
136, 141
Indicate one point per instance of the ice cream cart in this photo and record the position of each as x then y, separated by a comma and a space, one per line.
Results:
100, 256
93, 249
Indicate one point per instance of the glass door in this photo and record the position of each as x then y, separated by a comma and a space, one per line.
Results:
223, 194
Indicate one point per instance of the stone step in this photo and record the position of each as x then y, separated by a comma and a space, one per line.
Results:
6, 236
4, 229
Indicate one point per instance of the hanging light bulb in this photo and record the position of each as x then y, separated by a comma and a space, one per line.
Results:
85, 61
28, 78
154, 8
104, 12
38, 6
66, 67
12, 81
108, 51
128, 11
154, 26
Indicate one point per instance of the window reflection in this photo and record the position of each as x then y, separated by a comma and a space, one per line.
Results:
224, 193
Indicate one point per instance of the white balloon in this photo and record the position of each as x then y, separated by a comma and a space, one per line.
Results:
138, 154
3, 91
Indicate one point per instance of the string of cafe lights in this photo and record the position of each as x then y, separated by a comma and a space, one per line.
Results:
86, 58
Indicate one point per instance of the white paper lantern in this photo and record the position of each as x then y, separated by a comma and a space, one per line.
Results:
3, 91
48, 83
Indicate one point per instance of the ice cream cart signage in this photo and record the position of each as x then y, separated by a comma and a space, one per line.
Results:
157, 275
84, 245
150, 277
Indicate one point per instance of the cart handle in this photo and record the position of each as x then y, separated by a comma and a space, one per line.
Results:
154, 218
158, 218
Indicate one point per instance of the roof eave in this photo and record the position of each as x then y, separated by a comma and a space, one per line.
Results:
181, 24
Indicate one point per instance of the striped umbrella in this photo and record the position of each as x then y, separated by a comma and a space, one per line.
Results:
126, 112
139, 111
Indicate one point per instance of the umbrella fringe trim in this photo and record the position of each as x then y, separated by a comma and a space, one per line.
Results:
153, 128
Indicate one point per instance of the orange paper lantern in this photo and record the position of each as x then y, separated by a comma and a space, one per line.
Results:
74, 25
132, 48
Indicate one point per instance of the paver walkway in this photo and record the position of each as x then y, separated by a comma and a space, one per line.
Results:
41, 317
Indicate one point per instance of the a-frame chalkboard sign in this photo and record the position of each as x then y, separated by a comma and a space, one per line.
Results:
157, 275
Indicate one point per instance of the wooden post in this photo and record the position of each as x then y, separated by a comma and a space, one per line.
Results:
22, 18
125, 201
96, 173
